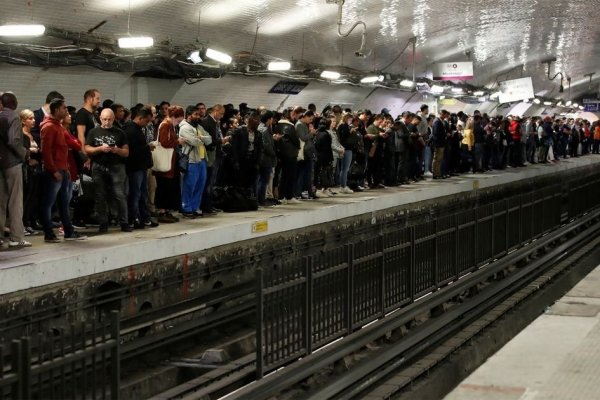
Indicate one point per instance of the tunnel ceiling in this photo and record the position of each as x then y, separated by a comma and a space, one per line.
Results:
504, 39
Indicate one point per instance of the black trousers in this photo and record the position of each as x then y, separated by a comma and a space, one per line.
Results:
288, 178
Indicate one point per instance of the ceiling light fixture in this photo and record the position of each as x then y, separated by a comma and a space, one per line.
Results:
495, 95
457, 90
218, 56
279, 66
437, 89
330, 75
537, 101
407, 83
478, 93
547, 103
575, 105
372, 79
134, 42
22, 30
442, 97
195, 57
581, 108
568, 103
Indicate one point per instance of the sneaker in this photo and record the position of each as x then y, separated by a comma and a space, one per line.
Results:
188, 215
150, 224
324, 193
164, 219
29, 231
172, 217
331, 192
284, 201
346, 190
138, 225
103, 228
197, 213
51, 239
428, 174
20, 243
79, 225
361, 187
294, 200
126, 228
75, 236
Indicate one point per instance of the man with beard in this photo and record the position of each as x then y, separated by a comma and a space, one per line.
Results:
194, 179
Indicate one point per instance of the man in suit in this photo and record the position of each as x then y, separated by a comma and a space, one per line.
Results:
214, 154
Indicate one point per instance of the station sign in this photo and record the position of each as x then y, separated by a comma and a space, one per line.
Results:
591, 107
453, 71
515, 90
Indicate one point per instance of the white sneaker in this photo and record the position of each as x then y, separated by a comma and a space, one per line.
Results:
294, 200
22, 243
346, 190
428, 174
332, 192
283, 201
324, 193
362, 187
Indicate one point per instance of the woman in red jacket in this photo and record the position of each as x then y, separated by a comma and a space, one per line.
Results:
168, 192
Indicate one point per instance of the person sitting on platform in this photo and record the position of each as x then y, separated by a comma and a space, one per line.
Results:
107, 147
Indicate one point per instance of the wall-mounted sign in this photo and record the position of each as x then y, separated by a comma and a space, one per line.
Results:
453, 71
591, 107
515, 90
585, 101
288, 87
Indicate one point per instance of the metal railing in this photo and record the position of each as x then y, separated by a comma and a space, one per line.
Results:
308, 302
83, 363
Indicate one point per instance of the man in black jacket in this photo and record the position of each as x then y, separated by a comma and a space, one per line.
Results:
288, 148
214, 154
246, 148
138, 161
440, 135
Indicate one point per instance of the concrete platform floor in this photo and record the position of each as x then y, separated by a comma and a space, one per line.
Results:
44, 264
557, 357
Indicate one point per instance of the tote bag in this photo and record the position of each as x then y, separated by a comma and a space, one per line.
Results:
161, 158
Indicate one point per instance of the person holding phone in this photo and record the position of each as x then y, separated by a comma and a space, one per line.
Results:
108, 149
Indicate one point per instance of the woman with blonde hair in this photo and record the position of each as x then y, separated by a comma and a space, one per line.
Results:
466, 146
32, 183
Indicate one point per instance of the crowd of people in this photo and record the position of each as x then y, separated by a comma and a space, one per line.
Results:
137, 168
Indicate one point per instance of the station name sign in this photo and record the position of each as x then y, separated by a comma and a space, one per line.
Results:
453, 71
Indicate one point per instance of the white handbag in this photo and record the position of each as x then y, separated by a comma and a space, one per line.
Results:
301, 151
161, 157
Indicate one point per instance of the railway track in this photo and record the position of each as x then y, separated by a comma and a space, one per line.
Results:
494, 289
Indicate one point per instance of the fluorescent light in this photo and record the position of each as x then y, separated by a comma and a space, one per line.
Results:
369, 79
482, 99
581, 107
494, 95
442, 97
330, 75
575, 105
457, 90
478, 93
525, 100
568, 103
22, 30
407, 83
437, 89
195, 57
537, 101
279, 66
135, 42
547, 103
218, 56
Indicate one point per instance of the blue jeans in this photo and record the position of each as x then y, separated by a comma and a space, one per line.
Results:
427, 158
346, 162
58, 192
193, 186
137, 198
264, 176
